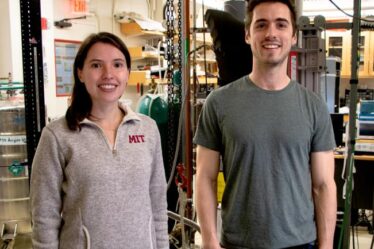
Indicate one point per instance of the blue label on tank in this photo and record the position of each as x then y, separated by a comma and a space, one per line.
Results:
19, 120
16, 168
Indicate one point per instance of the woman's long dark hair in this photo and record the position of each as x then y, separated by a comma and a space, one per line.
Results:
81, 103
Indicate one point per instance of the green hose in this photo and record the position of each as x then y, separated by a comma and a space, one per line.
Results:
347, 203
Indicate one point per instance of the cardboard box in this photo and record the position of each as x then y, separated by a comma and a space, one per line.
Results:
137, 77
136, 52
131, 28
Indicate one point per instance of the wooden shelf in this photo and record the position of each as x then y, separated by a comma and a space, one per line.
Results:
210, 80
340, 43
137, 53
143, 78
200, 38
133, 29
137, 77
207, 60
358, 157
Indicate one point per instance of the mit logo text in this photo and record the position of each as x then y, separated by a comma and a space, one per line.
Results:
136, 139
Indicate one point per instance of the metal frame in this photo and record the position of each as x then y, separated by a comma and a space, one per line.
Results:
352, 124
312, 59
310, 34
32, 73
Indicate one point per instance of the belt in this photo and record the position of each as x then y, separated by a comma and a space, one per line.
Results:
311, 245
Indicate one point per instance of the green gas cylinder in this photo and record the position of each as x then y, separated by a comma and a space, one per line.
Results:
154, 106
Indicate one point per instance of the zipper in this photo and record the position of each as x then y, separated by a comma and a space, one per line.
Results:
88, 238
114, 149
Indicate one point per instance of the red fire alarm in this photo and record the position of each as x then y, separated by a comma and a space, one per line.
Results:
44, 23
79, 6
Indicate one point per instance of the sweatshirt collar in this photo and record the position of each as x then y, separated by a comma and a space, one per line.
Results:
129, 114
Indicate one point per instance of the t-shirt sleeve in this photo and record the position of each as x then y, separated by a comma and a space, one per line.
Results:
323, 138
208, 132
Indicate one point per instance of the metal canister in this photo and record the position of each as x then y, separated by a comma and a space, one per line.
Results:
14, 174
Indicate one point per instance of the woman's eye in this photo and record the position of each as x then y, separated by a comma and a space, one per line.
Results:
95, 65
119, 65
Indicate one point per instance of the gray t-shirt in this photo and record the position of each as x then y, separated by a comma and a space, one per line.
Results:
265, 139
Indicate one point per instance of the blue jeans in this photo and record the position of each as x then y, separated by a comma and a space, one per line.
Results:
311, 245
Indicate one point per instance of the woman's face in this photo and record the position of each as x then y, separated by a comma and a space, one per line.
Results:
104, 73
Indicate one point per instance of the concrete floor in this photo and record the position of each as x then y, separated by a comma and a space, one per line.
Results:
362, 240
22, 241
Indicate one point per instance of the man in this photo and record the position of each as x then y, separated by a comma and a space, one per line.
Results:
276, 142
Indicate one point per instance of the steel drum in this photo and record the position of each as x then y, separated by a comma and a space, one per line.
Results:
14, 174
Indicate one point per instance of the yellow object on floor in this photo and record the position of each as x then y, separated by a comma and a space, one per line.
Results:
220, 186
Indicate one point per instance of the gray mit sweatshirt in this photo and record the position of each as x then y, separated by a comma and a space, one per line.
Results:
84, 194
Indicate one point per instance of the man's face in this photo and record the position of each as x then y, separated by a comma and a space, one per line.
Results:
270, 34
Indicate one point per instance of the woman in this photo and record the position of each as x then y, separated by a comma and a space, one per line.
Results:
97, 176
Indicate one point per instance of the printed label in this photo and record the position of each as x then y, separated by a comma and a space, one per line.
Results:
13, 140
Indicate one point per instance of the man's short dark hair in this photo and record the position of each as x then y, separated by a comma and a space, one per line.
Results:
251, 4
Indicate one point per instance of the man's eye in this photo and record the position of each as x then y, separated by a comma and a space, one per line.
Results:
260, 25
282, 25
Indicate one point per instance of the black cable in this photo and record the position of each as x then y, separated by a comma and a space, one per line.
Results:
73, 18
188, 222
205, 62
197, 49
358, 242
347, 14
5, 244
353, 237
